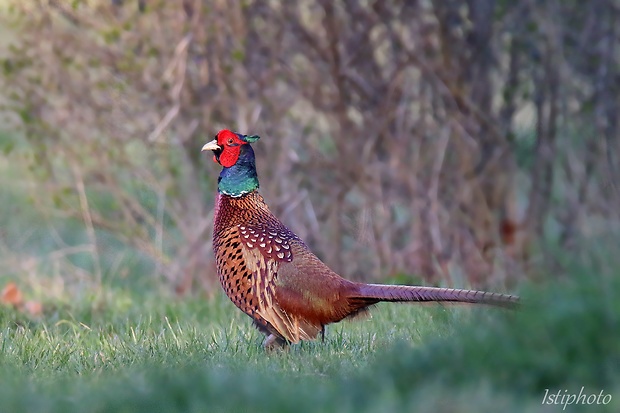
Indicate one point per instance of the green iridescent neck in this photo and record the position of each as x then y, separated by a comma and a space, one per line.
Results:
241, 178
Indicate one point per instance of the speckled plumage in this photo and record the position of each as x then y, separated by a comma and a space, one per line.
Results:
271, 275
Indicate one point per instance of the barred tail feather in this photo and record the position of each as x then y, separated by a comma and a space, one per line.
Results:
373, 293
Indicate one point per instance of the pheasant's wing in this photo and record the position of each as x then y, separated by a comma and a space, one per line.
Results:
264, 251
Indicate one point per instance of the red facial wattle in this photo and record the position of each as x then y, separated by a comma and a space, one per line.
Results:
229, 156
231, 146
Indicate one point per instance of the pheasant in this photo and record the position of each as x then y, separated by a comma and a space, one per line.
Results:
272, 276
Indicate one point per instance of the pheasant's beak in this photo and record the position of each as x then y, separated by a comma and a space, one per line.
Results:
211, 146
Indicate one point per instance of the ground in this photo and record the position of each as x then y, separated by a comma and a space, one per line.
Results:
149, 351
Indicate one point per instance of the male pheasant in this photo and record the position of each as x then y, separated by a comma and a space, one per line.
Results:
271, 275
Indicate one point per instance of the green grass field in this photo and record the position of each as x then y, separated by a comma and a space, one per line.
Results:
145, 351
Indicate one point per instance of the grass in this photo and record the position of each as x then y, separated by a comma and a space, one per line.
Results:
144, 351
167, 339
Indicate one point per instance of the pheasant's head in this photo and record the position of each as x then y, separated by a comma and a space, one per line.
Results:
227, 147
234, 153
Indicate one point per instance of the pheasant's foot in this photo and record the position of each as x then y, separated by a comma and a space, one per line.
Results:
273, 343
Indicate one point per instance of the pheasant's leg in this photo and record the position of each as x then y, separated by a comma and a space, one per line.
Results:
273, 342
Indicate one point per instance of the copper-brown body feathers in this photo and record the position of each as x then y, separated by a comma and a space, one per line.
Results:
271, 275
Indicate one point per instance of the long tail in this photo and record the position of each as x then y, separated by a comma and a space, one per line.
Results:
373, 293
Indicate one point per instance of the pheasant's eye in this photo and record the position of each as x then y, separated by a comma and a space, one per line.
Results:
230, 141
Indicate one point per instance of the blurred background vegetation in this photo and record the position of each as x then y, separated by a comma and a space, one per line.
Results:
462, 142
